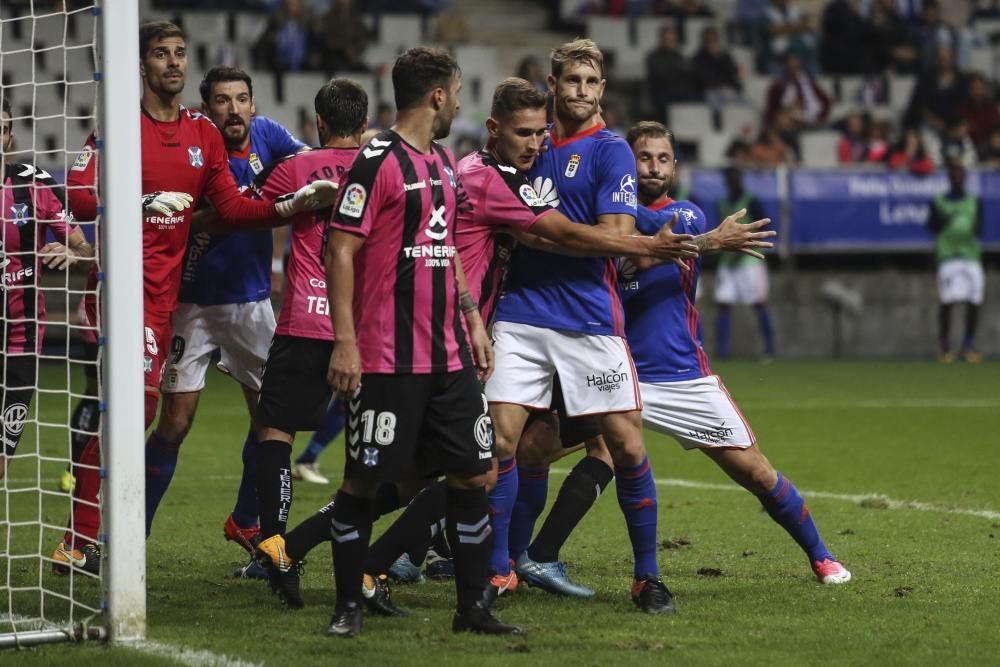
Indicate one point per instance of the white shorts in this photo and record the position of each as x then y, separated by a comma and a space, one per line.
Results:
596, 372
696, 413
241, 331
742, 284
961, 280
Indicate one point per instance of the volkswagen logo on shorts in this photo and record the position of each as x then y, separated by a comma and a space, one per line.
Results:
13, 418
484, 433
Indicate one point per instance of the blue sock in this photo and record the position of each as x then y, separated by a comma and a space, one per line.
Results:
502, 499
246, 508
723, 325
789, 510
333, 424
766, 331
532, 492
161, 461
637, 498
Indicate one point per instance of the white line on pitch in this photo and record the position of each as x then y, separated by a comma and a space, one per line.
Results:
881, 500
875, 404
188, 656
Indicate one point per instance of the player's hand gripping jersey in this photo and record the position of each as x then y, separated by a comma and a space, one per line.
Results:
305, 311
587, 175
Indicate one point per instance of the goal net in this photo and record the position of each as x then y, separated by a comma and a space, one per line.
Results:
54, 393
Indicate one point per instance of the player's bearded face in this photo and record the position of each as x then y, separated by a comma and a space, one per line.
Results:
231, 109
577, 91
449, 108
519, 138
164, 66
654, 165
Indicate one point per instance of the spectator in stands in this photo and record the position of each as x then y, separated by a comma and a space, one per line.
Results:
890, 40
956, 146
770, 150
287, 43
845, 48
853, 145
677, 8
740, 154
530, 70
980, 109
715, 72
932, 34
937, 94
878, 141
990, 158
789, 30
344, 38
798, 96
910, 154
668, 76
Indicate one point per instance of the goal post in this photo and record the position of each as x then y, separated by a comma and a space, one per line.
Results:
124, 516
67, 69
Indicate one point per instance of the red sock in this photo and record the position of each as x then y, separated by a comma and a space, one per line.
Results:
86, 519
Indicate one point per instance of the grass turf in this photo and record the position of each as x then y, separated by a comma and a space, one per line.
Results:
926, 580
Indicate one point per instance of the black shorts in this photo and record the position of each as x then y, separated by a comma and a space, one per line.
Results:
17, 387
402, 427
294, 393
572, 430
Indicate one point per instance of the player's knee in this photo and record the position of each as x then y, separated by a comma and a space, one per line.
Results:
465, 481
359, 488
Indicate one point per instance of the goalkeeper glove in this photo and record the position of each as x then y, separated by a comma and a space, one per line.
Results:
316, 195
165, 203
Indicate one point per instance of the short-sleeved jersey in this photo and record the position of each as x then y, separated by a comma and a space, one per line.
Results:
662, 323
305, 311
236, 268
584, 176
499, 197
28, 209
406, 309
186, 155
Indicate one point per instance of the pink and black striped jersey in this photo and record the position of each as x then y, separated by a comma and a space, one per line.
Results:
28, 209
499, 197
305, 311
406, 309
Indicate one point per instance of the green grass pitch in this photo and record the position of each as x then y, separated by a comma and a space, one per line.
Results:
860, 436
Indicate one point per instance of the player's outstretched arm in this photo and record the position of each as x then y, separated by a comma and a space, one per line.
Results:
556, 233
733, 236
344, 373
482, 348
59, 257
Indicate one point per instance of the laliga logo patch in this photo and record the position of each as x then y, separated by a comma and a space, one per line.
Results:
83, 159
19, 213
255, 163
353, 203
529, 195
195, 157
572, 166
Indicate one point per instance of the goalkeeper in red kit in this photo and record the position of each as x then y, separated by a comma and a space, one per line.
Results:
183, 159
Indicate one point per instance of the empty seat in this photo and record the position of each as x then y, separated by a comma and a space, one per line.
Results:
819, 149
405, 30
740, 120
690, 120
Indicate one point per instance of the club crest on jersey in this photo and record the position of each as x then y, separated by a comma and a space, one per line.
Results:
451, 177
255, 164
195, 157
529, 195
572, 165
626, 191
369, 457
19, 214
353, 203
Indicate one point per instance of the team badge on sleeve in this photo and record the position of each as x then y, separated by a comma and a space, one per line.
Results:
353, 203
572, 166
529, 196
195, 157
